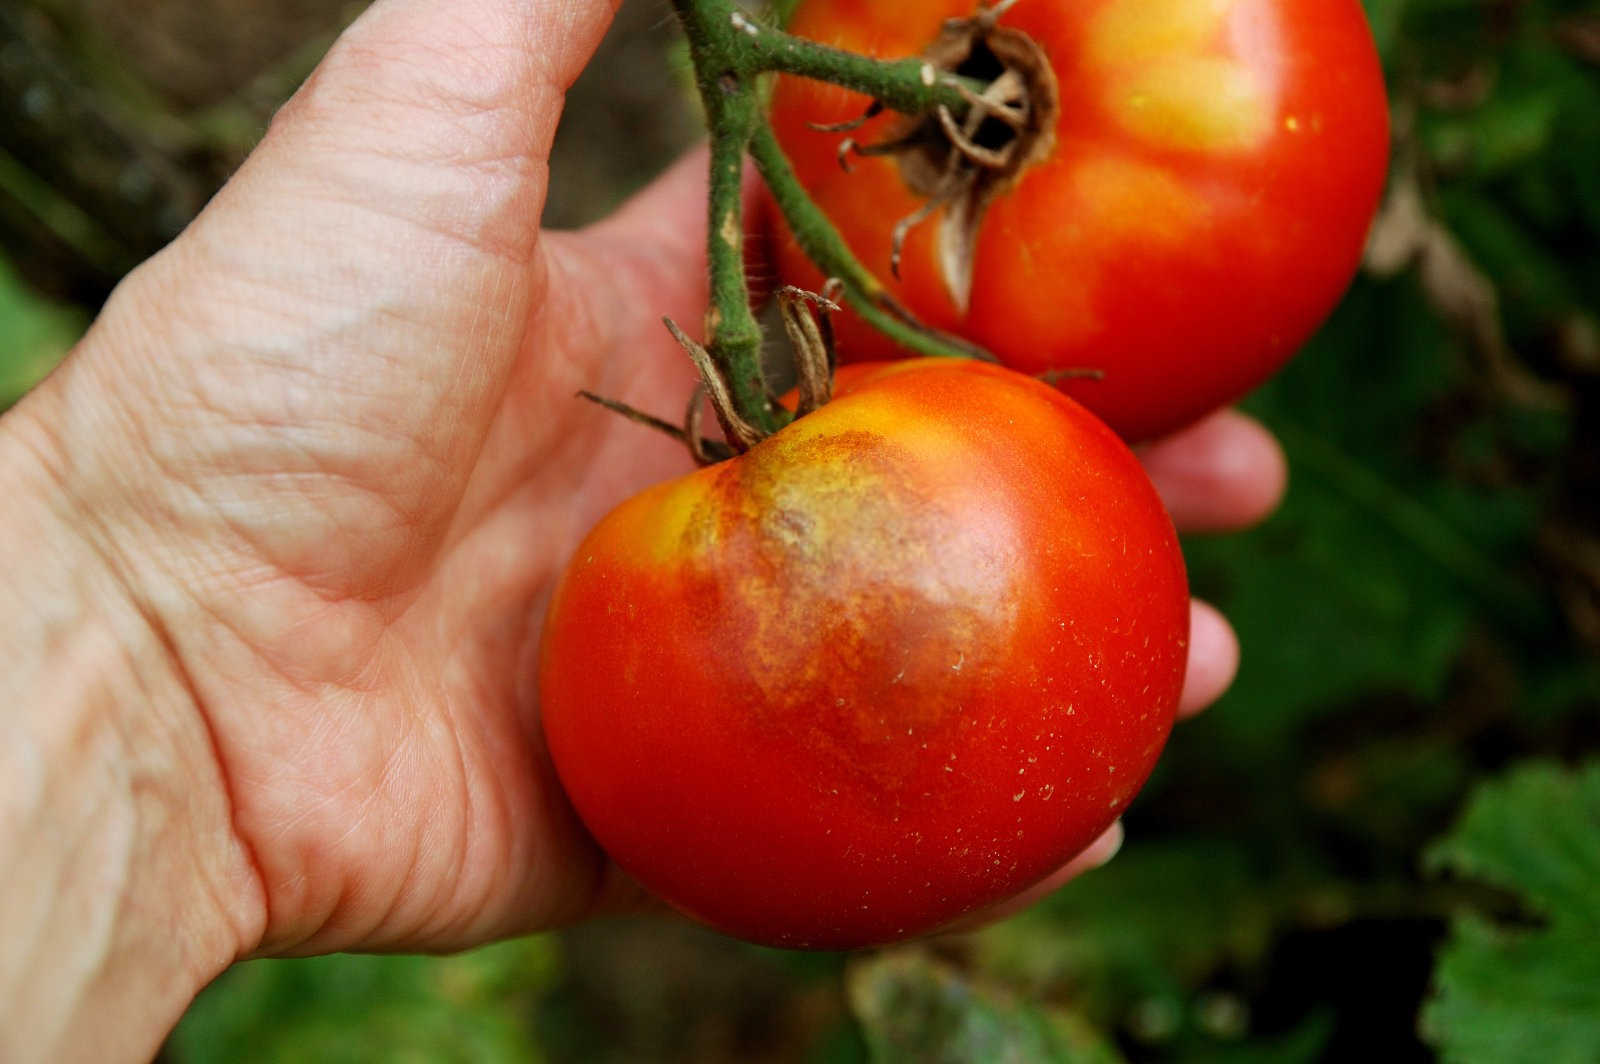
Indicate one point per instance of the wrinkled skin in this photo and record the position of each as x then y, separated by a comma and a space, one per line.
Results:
899, 661
1215, 168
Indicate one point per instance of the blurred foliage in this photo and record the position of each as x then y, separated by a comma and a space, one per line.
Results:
1419, 622
34, 334
474, 1007
914, 1008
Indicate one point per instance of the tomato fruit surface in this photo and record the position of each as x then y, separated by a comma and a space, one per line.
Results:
900, 660
1214, 169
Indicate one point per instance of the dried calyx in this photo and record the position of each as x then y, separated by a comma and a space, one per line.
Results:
806, 319
962, 164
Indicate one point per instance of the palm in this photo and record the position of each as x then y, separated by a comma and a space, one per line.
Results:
439, 615
437, 603
399, 468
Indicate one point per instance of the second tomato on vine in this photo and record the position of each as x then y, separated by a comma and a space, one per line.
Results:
1202, 205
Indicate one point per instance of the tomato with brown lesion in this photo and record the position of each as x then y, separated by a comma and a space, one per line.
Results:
899, 661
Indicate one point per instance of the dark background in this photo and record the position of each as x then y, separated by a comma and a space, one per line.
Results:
1384, 841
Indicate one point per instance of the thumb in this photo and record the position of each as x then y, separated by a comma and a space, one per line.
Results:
393, 197
470, 84
372, 267
356, 296
474, 84
423, 134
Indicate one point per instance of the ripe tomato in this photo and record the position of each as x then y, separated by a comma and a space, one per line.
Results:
1214, 168
900, 660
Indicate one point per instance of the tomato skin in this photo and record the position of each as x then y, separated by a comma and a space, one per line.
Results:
899, 661
1216, 166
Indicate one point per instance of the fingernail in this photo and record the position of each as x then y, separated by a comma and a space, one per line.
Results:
1103, 849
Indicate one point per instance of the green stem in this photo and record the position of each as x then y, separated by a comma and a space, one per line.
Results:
731, 51
823, 245
816, 233
733, 110
910, 86
733, 334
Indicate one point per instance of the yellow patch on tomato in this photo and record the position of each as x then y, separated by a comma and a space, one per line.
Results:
1137, 203
666, 519
1195, 103
1137, 32
1170, 83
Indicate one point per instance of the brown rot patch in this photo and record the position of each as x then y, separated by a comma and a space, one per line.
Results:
854, 611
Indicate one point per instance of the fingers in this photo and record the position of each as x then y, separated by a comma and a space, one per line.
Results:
1213, 659
1093, 856
1225, 472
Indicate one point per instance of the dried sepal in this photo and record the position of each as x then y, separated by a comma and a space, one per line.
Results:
960, 166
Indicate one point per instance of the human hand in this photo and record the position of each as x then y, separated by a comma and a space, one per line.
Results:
329, 442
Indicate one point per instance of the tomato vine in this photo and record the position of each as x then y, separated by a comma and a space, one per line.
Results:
731, 51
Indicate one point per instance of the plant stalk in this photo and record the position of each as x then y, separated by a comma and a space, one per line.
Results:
731, 51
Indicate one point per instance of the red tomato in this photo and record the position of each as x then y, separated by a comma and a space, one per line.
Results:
899, 661
1215, 166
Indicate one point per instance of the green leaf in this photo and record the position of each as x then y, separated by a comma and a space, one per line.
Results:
1504, 994
912, 1008
1535, 833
